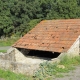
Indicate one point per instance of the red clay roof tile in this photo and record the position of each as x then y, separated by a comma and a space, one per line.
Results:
51, 35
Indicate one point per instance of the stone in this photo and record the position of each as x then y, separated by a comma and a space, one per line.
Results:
55, 60
61, 66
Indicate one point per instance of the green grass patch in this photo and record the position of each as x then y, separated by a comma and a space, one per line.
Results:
70, 61
8, 75
3, 51
8, 42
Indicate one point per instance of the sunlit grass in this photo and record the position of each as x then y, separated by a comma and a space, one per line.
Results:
8, 75
8, 42
3, 51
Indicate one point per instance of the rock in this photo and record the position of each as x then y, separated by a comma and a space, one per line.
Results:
55, 60
61, 66
1, 53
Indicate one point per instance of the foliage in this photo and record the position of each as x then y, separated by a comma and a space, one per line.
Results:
49, 70
17, 16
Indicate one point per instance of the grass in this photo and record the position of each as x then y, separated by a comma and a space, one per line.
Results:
8, 41
3, 51
68, 62
8, 75
49, 70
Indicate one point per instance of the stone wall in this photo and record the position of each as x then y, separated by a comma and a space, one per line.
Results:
8, 56
17, 62
18, 67
73, 51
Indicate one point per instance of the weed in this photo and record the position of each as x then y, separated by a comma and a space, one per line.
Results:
50, 70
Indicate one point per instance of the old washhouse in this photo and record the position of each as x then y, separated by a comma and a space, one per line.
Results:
52, 36
49, 40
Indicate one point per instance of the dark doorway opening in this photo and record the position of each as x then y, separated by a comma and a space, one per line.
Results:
45, 54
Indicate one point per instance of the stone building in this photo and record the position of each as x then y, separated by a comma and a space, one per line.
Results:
55, 36
50, 40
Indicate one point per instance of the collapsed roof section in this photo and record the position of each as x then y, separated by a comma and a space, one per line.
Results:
51, 35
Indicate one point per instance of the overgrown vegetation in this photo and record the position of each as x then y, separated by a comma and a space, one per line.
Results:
17, 17
48, 71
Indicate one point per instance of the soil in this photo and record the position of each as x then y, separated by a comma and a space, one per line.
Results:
72, 75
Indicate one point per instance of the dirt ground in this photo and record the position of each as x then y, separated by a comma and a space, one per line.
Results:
72, 75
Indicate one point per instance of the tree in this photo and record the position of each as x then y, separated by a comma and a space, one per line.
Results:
6, 25
64, 9
17, 17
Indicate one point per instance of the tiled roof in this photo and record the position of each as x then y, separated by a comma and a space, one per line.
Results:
51, 35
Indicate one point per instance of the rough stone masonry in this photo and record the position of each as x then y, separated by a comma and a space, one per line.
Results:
15, 61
